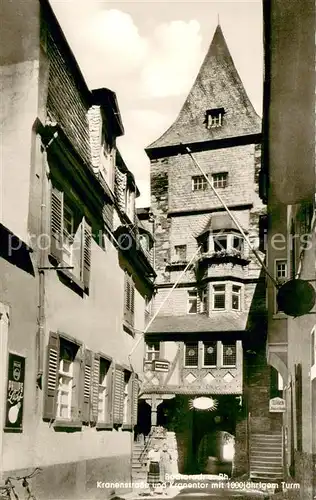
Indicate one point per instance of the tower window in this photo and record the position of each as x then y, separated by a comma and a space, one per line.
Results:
210, 353
229, 354
220, 180
199, 183
219, 296
180, 253
192, 302
281, 269
220, 243
236, 290
191, 354
214, 117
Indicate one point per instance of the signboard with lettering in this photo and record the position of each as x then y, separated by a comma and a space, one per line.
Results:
15, 393
159, 365
277, 405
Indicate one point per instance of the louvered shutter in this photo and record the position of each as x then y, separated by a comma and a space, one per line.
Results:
134, 405
132, 299
127, 293
298, 404
86, 252
95, 389
118, 394
56, 223
87, 386
51, 383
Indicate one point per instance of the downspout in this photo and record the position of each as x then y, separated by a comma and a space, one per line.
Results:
42, 261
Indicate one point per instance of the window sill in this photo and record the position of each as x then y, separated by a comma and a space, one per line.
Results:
103, 426
127, 427
67, 425
75, 283
279, 315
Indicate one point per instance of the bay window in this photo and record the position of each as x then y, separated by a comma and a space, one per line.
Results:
236, 291
219, 297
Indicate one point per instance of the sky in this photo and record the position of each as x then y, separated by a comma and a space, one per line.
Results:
149, 53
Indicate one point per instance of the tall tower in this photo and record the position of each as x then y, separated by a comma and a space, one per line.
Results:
216, 313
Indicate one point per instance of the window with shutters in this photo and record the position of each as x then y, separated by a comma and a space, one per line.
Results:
71, 237
65, 381
65, 386
103, 390
129, 299
127, 399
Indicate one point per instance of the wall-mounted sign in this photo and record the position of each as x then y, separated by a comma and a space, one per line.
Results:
160, 365
203, 403
277, 405
15, 393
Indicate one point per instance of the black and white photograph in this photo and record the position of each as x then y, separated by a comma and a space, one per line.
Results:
158, 250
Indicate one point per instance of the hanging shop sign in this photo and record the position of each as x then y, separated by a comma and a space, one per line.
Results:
15, 393
159, 365
277, 405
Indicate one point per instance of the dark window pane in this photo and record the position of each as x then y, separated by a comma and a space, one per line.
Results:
235, 302
210, 353
237, 243
191, 354
220, 244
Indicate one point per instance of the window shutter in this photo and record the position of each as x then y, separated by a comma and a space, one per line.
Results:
298, 404
56, 223
134, 405
86, 252
132, 303
52, 364
87, 386
95, 389
118, 389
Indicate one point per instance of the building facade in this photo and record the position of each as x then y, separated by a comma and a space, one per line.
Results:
288, 187
75, 275
210, 326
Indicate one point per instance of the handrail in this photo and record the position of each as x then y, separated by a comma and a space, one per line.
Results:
148, 442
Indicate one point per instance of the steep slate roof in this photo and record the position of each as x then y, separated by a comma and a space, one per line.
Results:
227, 322
217, 85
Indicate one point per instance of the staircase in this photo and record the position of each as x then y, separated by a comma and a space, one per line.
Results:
266, 456
139, 469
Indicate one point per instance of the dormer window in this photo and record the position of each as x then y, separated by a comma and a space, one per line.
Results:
107, 165
130, 204
214, 117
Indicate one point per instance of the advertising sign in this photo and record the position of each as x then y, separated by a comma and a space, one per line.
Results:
277, 405
15, 394
160, 365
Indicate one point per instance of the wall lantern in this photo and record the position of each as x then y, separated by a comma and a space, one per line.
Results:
203, 403
296, 297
